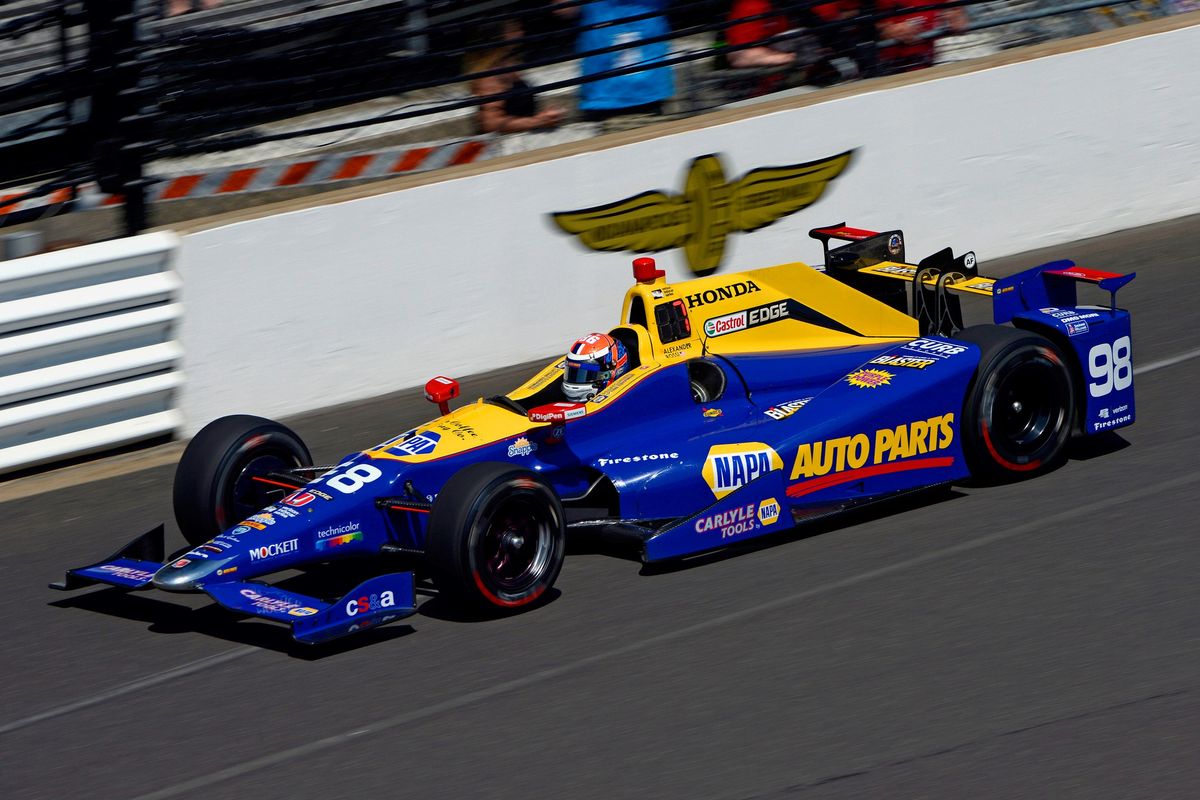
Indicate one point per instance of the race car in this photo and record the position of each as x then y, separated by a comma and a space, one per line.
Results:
751, 402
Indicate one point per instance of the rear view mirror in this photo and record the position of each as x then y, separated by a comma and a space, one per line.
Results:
441, 390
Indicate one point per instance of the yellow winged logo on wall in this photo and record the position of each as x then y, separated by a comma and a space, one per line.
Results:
710, 208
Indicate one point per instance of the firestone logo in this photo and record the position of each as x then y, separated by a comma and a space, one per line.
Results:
604, 462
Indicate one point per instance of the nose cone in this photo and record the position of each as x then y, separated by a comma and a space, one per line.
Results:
184, 573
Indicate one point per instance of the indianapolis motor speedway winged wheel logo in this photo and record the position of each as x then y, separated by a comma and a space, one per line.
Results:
710, 208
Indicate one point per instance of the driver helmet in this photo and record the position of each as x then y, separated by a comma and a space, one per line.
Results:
593, 362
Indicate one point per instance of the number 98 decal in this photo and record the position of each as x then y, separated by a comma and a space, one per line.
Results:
1111, 367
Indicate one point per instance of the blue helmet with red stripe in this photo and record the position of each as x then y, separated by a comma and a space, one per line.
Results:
593, 362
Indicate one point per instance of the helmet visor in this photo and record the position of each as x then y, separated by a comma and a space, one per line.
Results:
581, 372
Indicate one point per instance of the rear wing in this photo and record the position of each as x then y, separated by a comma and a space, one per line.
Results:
882, 254
1051, 285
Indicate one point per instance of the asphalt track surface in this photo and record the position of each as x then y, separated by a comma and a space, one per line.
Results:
1036, 639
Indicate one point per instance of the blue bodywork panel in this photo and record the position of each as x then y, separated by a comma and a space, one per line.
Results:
1044, 298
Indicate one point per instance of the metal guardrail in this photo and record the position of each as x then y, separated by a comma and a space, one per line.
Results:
89, 357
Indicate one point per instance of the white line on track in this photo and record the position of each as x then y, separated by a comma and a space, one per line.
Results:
128, 688
230, 655
418, 714
1167, 362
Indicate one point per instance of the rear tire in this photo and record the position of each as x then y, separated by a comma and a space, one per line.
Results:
1017, 415
496, 538
215, 484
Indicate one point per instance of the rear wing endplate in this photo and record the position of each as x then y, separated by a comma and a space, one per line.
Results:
1051, 285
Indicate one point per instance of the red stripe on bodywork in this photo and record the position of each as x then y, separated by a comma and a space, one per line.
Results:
853, 234
816, 484
1083, 274
277, 483
410, 508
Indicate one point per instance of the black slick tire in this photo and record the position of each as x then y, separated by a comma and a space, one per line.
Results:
496, 538
1018, 412
215, 482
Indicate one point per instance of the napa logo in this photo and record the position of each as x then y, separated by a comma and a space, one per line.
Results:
768, 511
730, 466
419, 445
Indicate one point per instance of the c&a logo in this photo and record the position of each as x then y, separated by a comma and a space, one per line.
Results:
730, 466
374, 602
710, 208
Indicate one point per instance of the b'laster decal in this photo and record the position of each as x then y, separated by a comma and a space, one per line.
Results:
708, 210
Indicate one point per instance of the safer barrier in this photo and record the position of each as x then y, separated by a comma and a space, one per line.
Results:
88, 352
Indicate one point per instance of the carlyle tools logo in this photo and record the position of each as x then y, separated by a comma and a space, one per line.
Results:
710, 208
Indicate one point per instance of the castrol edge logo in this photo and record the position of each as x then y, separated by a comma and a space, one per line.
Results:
744, 320
731, 466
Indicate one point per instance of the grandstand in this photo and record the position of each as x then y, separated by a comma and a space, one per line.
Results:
102, 102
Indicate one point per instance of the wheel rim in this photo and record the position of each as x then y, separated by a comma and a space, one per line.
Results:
1027, 405
245, 494
515, 544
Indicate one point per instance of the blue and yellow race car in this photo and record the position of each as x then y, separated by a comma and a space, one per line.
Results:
751, 402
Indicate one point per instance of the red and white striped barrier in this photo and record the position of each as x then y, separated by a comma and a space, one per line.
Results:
309, 171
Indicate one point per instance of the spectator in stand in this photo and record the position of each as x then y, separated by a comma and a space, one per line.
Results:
177, 7
847, 33
518, 111
640, 92
743, 31
913, 48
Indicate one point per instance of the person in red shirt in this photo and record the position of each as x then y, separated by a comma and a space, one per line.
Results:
844, 28
912, 51
756, 30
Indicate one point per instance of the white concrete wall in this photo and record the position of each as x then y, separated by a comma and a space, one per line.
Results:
341, 302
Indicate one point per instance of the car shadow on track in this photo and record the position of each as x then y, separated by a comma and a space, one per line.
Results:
166, 617
804, 530
1088, 447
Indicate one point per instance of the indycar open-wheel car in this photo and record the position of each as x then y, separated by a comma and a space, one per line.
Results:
751, 402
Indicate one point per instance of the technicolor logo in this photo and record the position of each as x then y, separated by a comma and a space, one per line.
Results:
730, 466
710, 208
869, 378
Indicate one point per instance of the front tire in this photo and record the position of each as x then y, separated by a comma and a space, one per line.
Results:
215, 482
1017, 415
496, 537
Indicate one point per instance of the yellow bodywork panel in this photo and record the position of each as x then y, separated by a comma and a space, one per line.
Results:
907, 272
719, 299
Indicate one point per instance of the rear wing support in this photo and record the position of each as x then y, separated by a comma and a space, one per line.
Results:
1051, 285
